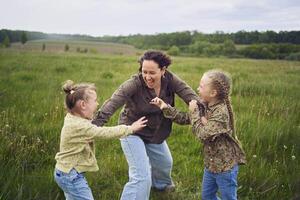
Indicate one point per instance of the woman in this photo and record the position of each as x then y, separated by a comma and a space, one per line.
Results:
147, 153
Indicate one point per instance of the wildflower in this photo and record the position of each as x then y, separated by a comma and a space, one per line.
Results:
6, 125
293, 157
254, 156
285, 147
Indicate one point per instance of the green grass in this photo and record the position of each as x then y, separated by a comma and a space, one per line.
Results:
92, 47
265, 99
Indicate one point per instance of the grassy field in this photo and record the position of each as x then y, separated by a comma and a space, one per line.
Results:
265, 99
92, 47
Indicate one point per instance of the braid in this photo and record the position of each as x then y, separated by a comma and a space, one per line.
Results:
231, 116
222, 82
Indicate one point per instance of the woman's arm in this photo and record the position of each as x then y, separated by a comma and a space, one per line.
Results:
118, 99
186, 93
183, 90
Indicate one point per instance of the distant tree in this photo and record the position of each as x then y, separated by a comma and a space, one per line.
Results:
198, 37
228, 47
2, 35
293, 56
67, 47
43, 47
199, 46
174, 51
212, 50
78, 49
218, 37
258, 52
23, 38
6, 41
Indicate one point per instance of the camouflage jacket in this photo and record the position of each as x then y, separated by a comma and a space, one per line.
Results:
222, 150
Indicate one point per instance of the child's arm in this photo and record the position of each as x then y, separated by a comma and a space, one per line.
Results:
171, 112
116, 131
208, 128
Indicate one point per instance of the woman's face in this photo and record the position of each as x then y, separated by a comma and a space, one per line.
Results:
152, 73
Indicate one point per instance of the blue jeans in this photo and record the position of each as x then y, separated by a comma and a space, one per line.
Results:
226, 182
73, 184
149, 165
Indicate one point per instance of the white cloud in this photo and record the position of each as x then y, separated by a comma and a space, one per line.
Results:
99, 17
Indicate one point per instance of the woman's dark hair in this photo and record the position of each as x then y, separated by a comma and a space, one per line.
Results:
160, 58
75, 92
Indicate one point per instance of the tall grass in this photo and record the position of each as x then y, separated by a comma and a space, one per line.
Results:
265, 99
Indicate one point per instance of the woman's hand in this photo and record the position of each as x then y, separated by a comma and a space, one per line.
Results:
159, 103
139, 124
193, 105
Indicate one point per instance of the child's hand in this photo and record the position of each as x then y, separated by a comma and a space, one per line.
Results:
159, 103
139, 124
193, 105
204, 120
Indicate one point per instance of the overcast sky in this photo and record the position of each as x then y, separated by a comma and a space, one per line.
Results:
124, 17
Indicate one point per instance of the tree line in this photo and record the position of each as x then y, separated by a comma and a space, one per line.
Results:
20, 36
9, 36
253, 44
166, 40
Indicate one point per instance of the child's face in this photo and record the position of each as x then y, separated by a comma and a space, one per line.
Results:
205, 91
91, 104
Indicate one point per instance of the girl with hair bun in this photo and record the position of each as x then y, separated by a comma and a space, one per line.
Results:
77, 150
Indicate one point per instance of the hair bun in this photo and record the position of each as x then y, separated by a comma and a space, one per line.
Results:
68, 86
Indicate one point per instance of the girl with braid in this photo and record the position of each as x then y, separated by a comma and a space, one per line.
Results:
215, 128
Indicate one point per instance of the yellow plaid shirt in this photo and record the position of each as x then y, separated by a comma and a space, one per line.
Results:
77, 149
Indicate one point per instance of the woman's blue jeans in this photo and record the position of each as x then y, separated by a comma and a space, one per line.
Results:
149, 165
73, 184
226, 182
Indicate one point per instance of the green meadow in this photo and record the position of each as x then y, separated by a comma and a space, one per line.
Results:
265, 99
